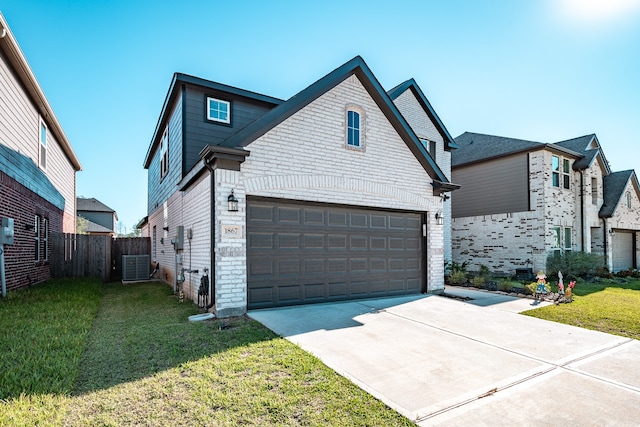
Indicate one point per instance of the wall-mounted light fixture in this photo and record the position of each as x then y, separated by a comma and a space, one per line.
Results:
612, 231
439, 218
29, 226
233, 202
166, 228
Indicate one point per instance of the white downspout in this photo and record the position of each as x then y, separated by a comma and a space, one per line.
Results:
2, 272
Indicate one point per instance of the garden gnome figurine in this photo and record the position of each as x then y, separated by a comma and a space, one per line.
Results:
560, 284
542, 283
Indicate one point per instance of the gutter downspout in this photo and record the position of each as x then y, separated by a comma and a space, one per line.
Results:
605, 240
582, 233
2, 272
212, 228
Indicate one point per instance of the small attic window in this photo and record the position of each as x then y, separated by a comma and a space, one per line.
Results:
628, 199
218, 110
354, 137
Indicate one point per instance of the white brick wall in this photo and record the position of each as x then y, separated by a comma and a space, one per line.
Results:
305, 158
424, 128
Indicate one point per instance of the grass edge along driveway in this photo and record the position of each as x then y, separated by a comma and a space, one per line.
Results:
77, 352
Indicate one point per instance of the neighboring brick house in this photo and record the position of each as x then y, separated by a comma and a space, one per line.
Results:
101, 218
523, 200
336, 195
37, 168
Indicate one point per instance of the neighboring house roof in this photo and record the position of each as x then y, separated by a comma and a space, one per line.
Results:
174, 89
94, 228
92, 205
23, 170
357, 67
476, 147
614, 186
16, 58
426, 105
473, 147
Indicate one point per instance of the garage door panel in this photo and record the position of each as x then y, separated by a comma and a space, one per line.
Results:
299, 253
622, 250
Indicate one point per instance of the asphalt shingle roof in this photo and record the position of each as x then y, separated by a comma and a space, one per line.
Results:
614, 185
473, 147
91, 205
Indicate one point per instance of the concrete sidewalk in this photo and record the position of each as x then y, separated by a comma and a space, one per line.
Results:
441, 361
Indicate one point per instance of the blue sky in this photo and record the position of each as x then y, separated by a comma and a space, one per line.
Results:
543, 70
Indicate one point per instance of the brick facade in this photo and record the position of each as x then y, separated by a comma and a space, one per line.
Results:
18, 202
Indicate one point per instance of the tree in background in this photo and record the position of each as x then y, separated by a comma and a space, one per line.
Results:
82, 224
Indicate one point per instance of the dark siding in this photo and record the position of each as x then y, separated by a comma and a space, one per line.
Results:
201, 132
493, 187
161, 190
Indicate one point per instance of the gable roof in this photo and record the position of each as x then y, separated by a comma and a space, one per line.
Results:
589, 147
174, 89
426, 106
476, 147
16, 58
92, 205
23, 170
359, 68
614, 185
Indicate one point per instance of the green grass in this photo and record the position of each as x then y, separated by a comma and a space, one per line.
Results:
126, 355
608, 306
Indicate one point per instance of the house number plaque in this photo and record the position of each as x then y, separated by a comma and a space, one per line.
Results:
231, 231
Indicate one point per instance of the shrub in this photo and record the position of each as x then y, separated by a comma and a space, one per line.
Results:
478, 281
574, 264
505, 285
458, 277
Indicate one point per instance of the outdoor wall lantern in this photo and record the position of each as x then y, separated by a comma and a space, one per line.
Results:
439, 218
233, 202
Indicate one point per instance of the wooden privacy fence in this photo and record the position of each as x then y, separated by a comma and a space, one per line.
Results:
82, 255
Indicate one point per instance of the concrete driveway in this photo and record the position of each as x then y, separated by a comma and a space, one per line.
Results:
441, 361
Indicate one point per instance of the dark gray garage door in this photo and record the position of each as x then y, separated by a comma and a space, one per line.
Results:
302, 253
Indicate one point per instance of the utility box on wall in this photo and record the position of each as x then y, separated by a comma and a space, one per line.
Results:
6, 231
178, 240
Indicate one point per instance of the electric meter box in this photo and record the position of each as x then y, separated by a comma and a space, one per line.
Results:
6, 231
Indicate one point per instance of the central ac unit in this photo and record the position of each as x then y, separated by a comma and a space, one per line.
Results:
135, 267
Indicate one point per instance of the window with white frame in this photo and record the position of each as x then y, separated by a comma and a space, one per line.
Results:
36, 237
164, 153
562, 239
154, 253
560, 172
45, 237
43, 145
218, 110
628, 197
354, 120
353, 128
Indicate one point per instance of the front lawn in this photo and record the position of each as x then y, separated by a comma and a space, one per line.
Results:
611, 306
79, 353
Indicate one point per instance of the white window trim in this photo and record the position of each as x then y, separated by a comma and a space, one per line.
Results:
42, 148
561, 172
362, 116
215, 119
164, 153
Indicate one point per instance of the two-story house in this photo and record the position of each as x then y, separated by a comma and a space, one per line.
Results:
329, 195
523, 200
37, 168
101, 219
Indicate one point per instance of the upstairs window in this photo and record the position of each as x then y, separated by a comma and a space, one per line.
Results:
594, 191
628, 199
353, 128
43, 145
164, 153
432, 149
560, 172
218, 110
